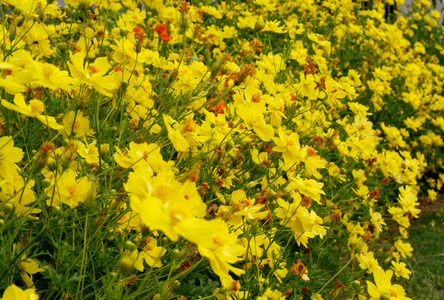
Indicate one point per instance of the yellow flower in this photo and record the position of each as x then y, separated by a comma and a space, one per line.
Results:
405, 249
89, 152
33, 110
46, 75
307, 86
177, 139
242, 208
254, 120
314, 162
377, 220
368, 262
308, 187
269, 5
401, 270
166, 204
247, 21
9, 155
12, 85
138, 155
290, 147
16, 193
273, 26
68, 190
13, 292
37, 38
398, 216
93, 74
75, 121
222, 249
294, 27
151, 254
297, 217
271, 295
124, 52
29, 266
382, 289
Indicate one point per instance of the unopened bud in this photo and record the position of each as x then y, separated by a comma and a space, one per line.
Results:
84, 4
104, 149
145, 231
8, 208
123, 32
259, 25
126, 265
51, 164
46, 182
385, 296
130, 246
124, 84
91, 196
12, 31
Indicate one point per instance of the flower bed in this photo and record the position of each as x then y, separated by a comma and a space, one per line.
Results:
229, 150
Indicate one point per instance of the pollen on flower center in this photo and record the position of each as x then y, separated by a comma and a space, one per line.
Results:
71, 189
178, 213
93, 69
218, 241
161, 192
36, 106
48, 70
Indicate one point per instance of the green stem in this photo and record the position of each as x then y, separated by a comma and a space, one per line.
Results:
333, 277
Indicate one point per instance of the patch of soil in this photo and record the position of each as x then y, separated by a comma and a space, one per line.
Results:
426, 206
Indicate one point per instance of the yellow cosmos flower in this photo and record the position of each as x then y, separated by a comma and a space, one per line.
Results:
89, 152
290, 147
401, 270
124, 52
26, 5
242, 208
93, 74
303, 223
307, 86
16, 193
383, 289
274, 26
9, 156
46, 75
254, 120
37, 37
10, 82
151, 254
166, 204
368, 262
138, 155
13, 292
29, 266
68, 190
222, 249
308, 187
177, 139
33, 110
405, 249
77, 123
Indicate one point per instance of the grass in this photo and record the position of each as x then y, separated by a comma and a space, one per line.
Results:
427, 262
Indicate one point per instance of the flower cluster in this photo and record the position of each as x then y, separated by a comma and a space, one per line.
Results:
227, 149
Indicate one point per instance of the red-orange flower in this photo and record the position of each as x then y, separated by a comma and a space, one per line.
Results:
161, 28
165, 36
